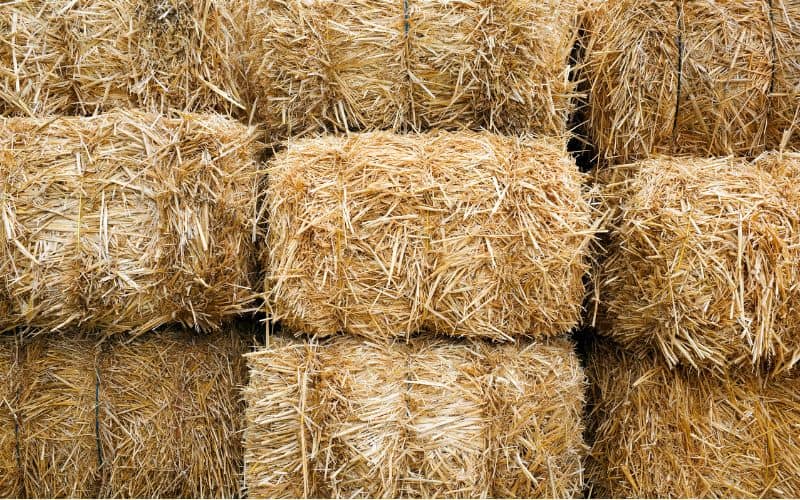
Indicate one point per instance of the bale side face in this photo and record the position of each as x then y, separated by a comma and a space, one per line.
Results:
702, 261
425, 419
127, 221
377, 64
87, 56
666, 433
56, 409
706, 78
381, 235
10, 476
170, 417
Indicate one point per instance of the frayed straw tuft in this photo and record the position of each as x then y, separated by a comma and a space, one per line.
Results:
466, 234
696, 77
126, 221
431, 418
377, 64
87, 56
703, 261
673, 433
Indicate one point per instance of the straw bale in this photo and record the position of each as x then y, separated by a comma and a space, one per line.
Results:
680, 77
468, 234
376, 64
85, 56
171, 414
675, 433
702, 259
10, 478
126, 221
57, 404
430, 418
784, 122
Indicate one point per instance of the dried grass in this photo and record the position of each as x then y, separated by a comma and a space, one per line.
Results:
155, 416
374, 64
58, 440
686, 77
126, 221
667, 433
10, 478
702, 261
468, 234
431, 418
85, 56
784, 121
171, 416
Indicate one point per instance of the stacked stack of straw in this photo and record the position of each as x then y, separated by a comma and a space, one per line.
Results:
698, 288
156, 416
379, 235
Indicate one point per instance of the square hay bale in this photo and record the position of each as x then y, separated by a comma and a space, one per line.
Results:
10, 477
468, 234
376, 64
126, 221
171, 416
701, 77
703, 261
87, 56
58, 440
156, 416
676, 433
429, 418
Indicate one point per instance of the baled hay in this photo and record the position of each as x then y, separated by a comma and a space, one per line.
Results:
468, 234
784, 119
377, 64
86, 56
691, 77
171, 416
126, 221
57, 418
666, 433
10, 478
430, 418
703, 261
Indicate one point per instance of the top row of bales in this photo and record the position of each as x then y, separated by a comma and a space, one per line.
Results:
698, 77
296, 65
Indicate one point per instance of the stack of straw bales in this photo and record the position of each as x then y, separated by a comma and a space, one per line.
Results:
377, 64
662, 432
698, 288
699, 77
156, 416
467, 234
703, 261
85, 56
428, 418
126, 221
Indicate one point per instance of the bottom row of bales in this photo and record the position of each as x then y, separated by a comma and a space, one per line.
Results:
162, 415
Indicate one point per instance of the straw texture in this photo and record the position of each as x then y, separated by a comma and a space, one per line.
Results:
689, 77
430, 418
126, 221
86, 56
378, 64
702, 261
171, 415
10, 479
58, 441
155, 416
667, 433
466, 234
784, 123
